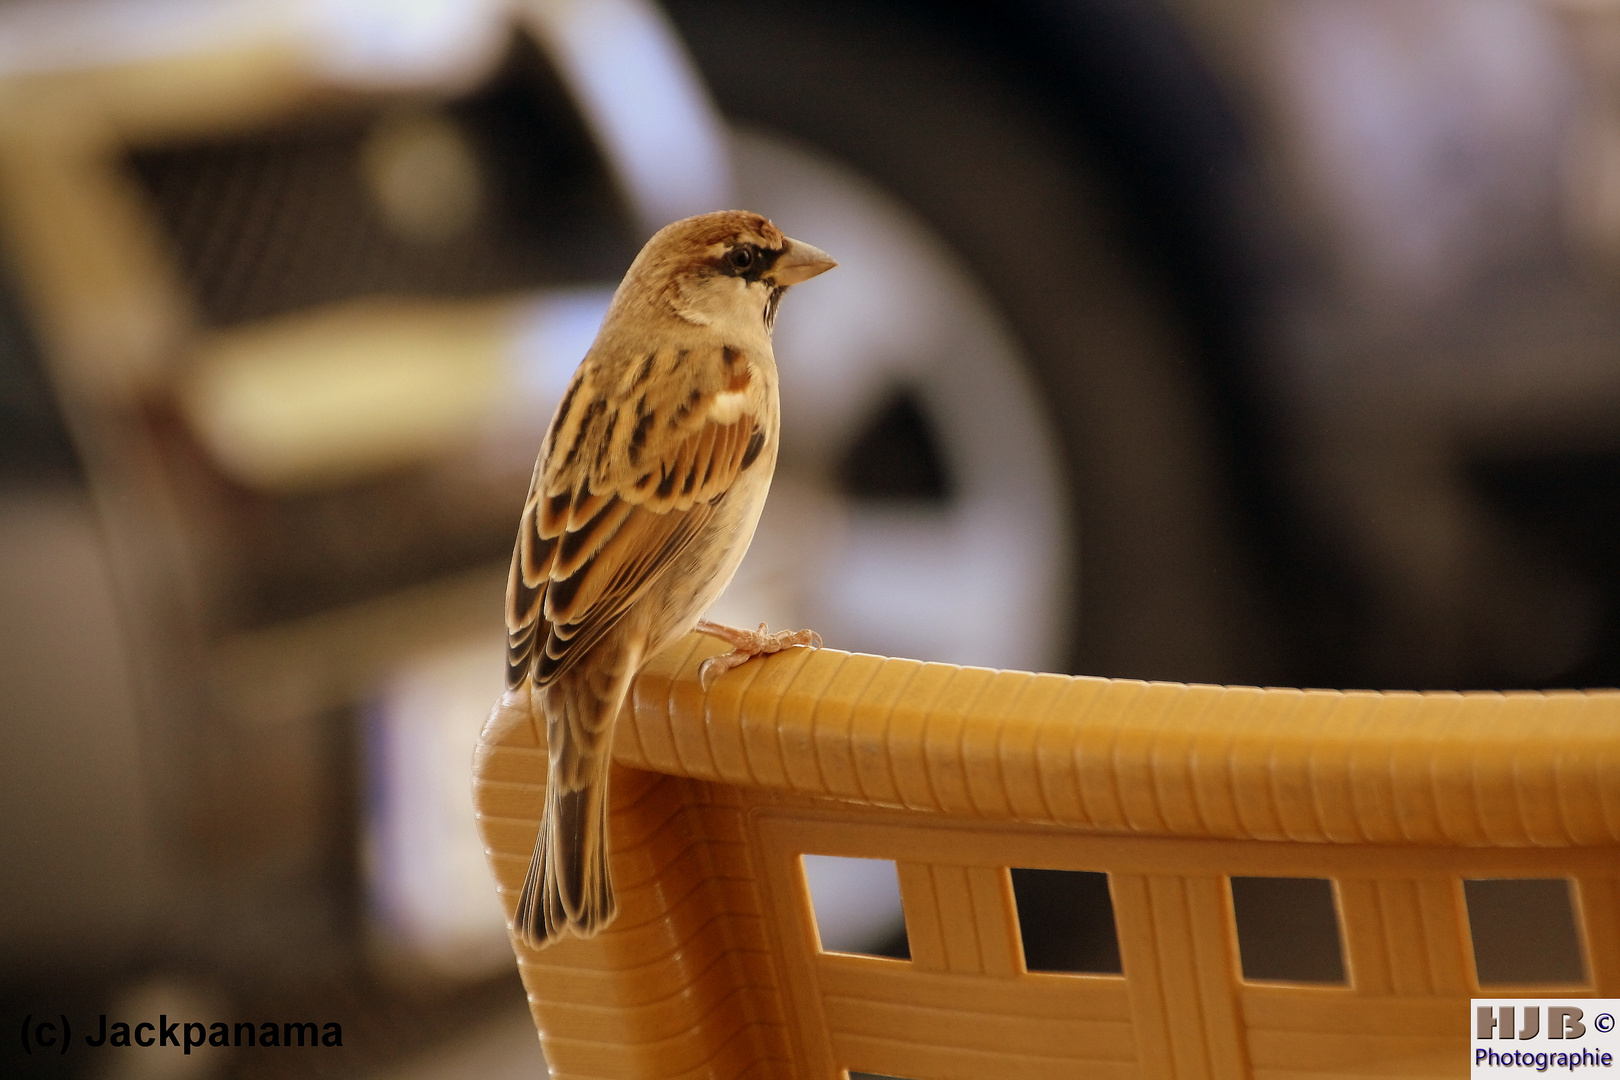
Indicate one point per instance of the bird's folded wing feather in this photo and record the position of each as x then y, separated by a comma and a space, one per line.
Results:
627, 478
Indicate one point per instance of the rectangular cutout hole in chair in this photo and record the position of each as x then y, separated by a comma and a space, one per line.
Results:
1523, 930
857, 905
1066, 921
1288, 929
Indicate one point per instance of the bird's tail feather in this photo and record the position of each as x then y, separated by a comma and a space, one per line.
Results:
582, 880
540, 920
568, 888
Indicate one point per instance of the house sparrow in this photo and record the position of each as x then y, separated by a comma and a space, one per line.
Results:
649, 483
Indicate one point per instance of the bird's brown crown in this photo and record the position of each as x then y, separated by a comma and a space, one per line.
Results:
697, 244
729, 227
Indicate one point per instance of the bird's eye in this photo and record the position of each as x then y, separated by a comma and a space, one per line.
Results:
740, 258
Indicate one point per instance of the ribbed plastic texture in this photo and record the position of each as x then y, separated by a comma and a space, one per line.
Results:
714, 966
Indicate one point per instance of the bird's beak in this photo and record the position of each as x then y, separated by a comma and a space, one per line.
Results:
800, 262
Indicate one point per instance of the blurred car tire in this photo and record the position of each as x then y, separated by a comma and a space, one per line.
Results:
947, 125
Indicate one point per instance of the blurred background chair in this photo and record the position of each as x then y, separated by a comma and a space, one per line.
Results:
1268, 343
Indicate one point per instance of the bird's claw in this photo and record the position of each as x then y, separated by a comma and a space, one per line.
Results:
748, 644
716, 666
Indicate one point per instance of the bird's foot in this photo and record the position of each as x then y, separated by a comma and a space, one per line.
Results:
747, 644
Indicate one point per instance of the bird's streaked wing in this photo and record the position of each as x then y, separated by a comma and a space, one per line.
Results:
597, 533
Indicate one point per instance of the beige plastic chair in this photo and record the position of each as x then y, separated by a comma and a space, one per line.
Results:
714, 967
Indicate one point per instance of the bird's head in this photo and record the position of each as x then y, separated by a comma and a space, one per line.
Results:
727, 270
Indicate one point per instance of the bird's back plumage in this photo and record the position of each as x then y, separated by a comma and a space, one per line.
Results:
628, 476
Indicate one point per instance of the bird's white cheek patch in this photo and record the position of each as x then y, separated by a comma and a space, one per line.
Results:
727, 406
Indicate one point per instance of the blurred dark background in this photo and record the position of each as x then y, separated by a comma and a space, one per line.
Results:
1271, 342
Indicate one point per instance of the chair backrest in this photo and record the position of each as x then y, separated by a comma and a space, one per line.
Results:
714, 966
